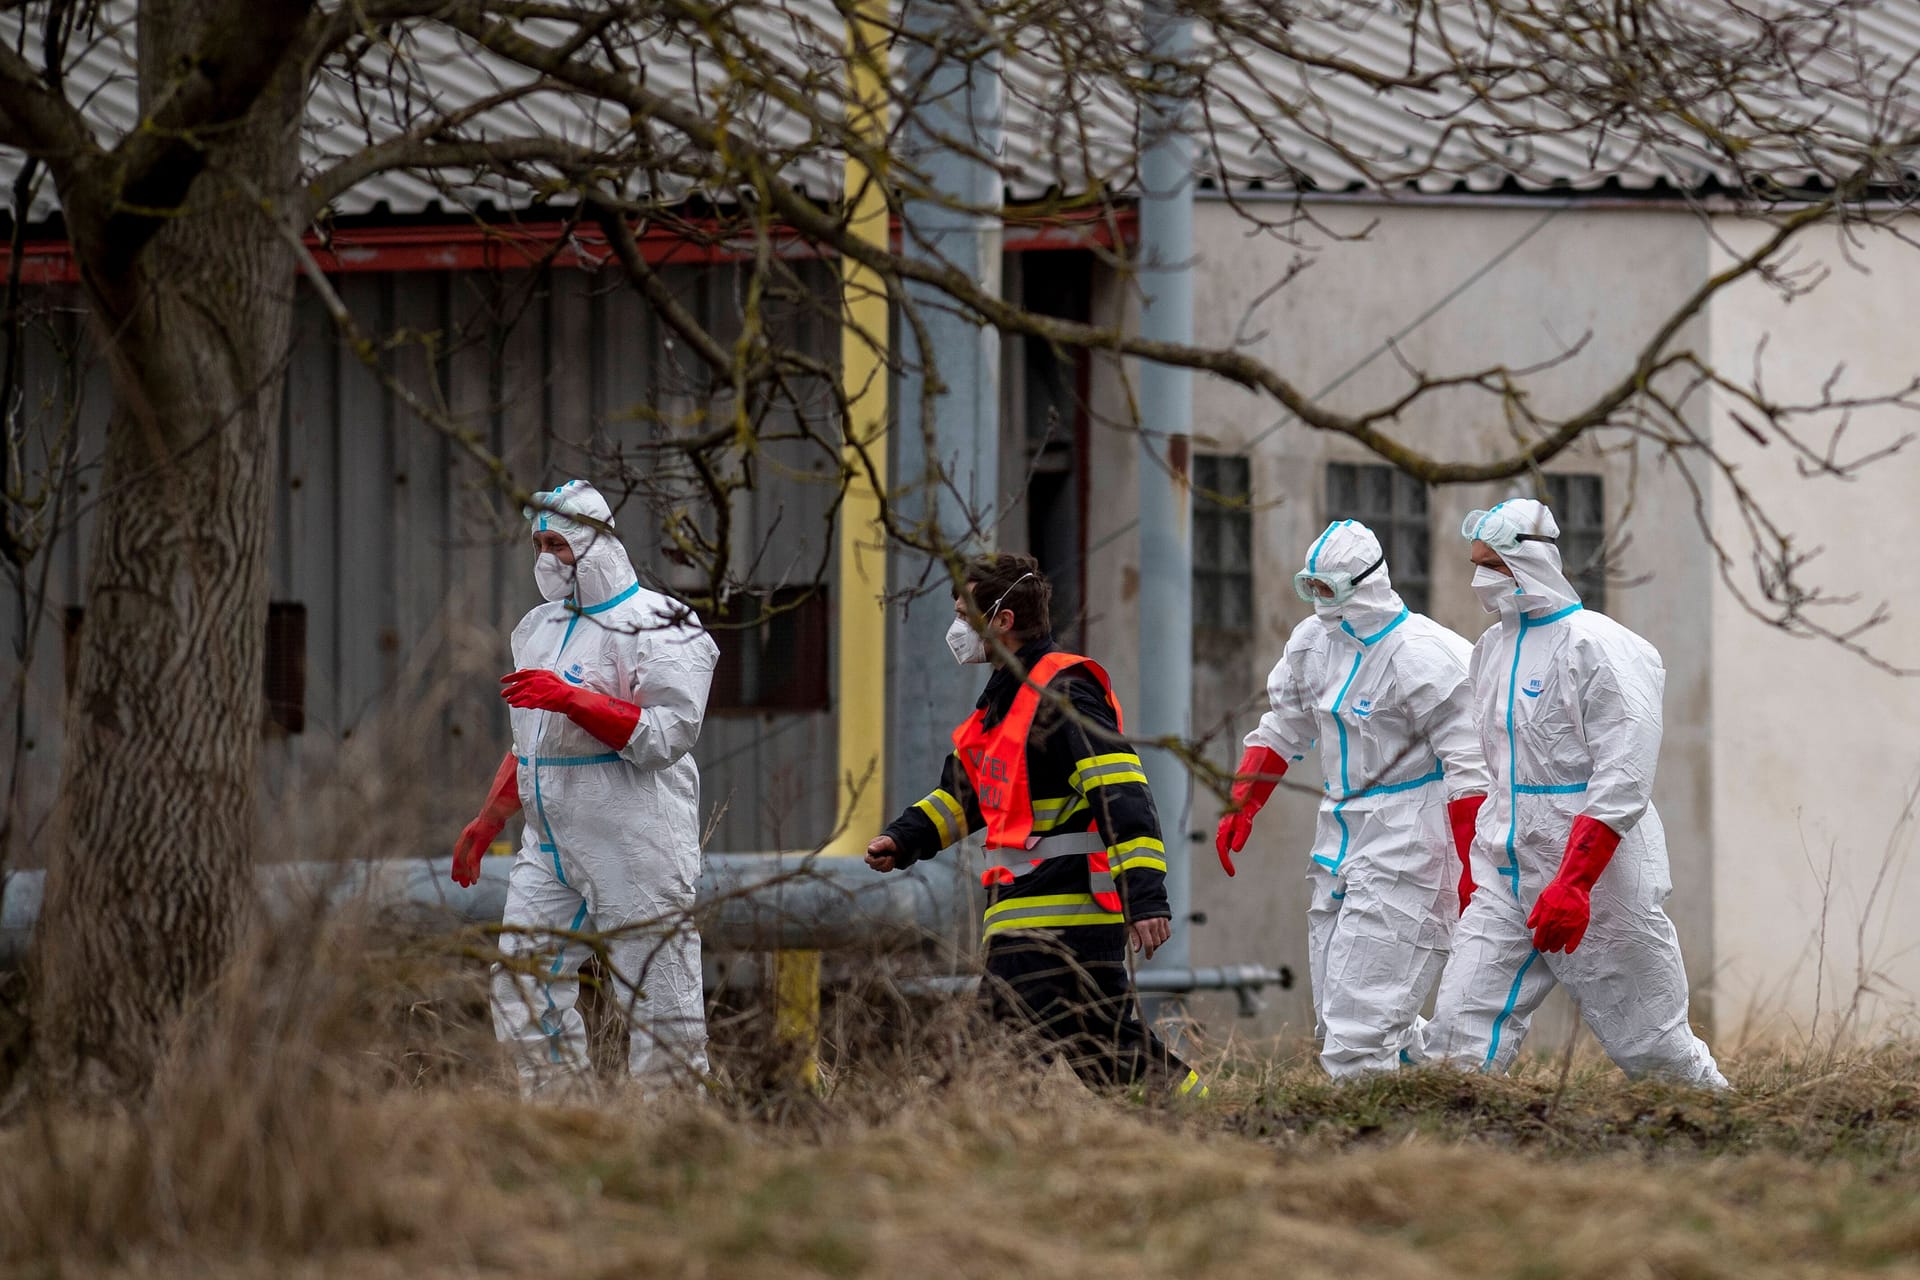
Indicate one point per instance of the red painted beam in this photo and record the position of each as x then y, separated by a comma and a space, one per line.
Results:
468, 246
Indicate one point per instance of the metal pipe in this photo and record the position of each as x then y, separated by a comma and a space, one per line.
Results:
1165, 704
860, 636
947, 445
747, 901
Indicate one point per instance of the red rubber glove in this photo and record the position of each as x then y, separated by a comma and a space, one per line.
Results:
1560, 917
606, 718
1260, 771
503, 801
1461, 815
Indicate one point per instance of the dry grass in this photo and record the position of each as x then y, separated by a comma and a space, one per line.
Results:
341, 1113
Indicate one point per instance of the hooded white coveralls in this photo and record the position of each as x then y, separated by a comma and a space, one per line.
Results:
1568, 707
1384, 693
612, 838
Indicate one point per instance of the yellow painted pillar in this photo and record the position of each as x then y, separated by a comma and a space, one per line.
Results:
860, 696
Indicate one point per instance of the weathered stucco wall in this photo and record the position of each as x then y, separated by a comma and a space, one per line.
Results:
1454, 287
1816, 752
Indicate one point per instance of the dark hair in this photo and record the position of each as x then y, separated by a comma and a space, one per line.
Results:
994, 577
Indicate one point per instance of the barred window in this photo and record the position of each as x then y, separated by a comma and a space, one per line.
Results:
1394, 505
1222, 543
1579, 506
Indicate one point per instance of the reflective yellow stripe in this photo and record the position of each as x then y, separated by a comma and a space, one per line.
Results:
943, 810
1099, 771
1048, 911
1049, 922
938, 820
1039, 900
1049, 815
1143, 854
1192, 1082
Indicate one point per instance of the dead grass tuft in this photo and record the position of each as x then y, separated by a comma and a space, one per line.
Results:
255, 1133
1864, 1108
337, 1109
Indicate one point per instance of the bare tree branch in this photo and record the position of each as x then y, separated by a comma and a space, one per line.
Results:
135, 189
39, 121
473, 157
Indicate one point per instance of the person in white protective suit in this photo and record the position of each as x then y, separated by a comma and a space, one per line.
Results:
1570, 859
608, 692
1383, 691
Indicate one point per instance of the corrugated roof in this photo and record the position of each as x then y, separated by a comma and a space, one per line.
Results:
1268, 117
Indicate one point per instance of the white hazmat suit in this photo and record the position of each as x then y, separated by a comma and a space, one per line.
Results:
1568, 707
1383, 691
612, 837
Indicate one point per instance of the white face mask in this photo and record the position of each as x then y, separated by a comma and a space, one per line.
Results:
968, 645
554, 579
1494, 588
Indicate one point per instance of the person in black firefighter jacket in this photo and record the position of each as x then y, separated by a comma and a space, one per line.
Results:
1079, 869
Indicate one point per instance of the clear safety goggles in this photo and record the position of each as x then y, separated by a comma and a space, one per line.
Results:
1331, 588
1499, 529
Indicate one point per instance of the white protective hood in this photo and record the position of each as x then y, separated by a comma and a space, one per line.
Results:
601, 567
1542, 583
1347, 546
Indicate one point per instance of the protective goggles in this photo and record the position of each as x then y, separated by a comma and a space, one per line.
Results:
1499, 529
543, 518
556, 504
1331, 588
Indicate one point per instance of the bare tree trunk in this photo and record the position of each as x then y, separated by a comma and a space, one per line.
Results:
149, 883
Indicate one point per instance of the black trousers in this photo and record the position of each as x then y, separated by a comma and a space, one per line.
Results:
1070, 986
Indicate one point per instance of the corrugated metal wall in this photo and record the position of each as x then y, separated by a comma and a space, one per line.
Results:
412, 572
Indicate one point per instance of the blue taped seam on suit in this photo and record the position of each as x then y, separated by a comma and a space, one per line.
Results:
1513, 998
1313, 556
559, 959
1346, 834
1514, 790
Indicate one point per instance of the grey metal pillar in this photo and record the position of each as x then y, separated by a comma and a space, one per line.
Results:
947, 444
1165, 704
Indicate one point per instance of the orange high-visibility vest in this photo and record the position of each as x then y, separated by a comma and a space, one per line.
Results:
995, 761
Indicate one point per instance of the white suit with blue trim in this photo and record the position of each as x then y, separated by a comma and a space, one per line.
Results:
1568, 707
612, 838
1384, 693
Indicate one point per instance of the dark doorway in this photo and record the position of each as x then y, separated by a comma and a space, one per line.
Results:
1043, 469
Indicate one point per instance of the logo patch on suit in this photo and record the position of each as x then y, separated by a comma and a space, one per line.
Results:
1363, 708
575, 673
1535, 687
